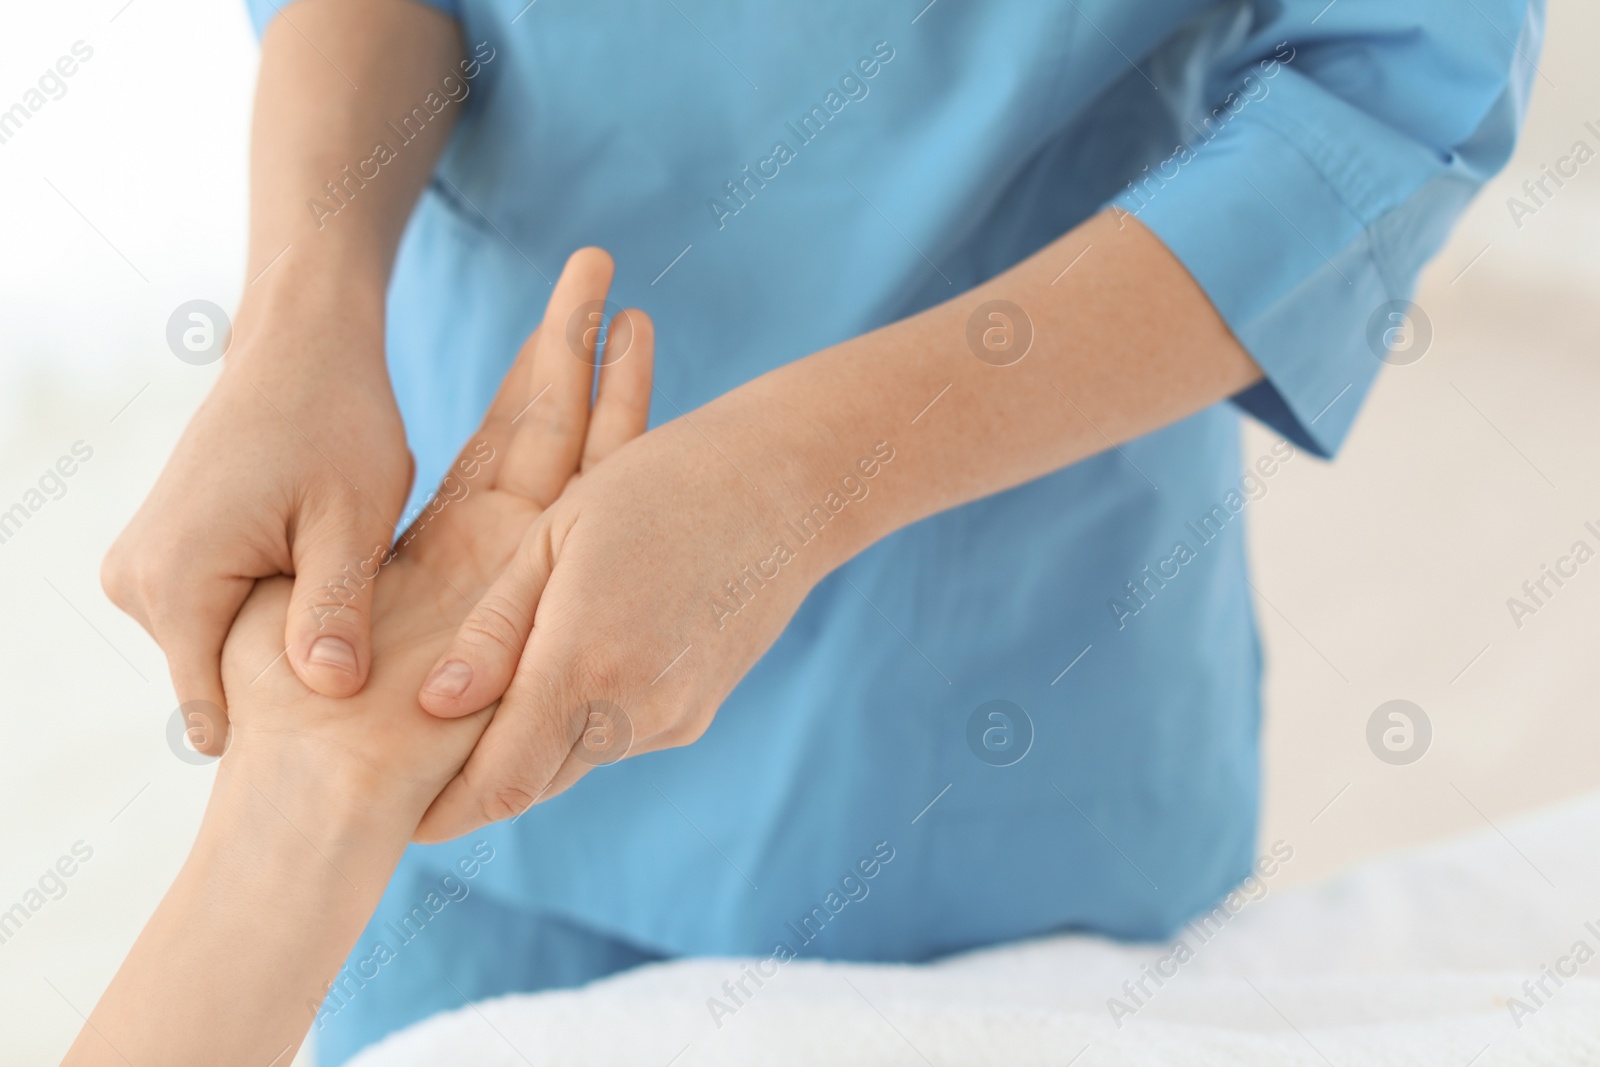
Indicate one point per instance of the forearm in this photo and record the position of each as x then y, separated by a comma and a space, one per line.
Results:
1124, 342
339, 79
274, 894
713, 527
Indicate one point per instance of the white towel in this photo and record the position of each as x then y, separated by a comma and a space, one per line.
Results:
1452, 955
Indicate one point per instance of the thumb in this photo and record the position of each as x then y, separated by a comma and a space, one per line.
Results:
482, 658
329, 629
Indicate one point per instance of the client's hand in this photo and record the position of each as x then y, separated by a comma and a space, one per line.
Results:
538, 437
315, 798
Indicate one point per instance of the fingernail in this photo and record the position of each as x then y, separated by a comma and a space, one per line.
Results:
332, 652
449, 679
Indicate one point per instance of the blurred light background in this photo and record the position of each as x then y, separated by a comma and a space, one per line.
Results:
1382, 576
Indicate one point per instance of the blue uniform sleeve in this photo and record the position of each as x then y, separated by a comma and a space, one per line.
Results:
261, 11
1341, 144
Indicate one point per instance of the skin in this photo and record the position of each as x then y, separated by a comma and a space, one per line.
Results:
545, 604
296, 463
1125, 342
316, 797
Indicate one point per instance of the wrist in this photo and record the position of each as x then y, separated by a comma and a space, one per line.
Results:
311, 297
271, 899
352, 813
819, 468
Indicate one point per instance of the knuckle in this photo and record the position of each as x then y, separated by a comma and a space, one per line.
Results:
552, 418
686, 727
582, 684
492, 628
330, 502
591, 677
597, 714
347, 597
508, 800
134, 579
683, 734
114, 577
335, 605
534, 686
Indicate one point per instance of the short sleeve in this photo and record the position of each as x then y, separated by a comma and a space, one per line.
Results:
261, 11
1340, 151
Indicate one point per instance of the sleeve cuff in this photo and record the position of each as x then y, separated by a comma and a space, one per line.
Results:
1301, 217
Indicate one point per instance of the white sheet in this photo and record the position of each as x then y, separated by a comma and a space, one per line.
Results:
1414, 959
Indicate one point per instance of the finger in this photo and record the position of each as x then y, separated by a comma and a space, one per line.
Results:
515, 389
459, 810
547, 437
518, 759
577, 764
328, 632
510, 401
482, 657
193, 643
622, 407
476, 464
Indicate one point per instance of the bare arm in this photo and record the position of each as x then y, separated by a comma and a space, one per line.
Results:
316, 797
339, 77
296, 463
1123, 343
279, 884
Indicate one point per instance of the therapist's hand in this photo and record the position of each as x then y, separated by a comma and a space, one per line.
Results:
316, 798
612, 632
296, 464
531, 444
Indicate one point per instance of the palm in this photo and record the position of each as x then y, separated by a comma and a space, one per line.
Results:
522, 458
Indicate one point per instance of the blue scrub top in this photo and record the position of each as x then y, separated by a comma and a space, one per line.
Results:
775, 179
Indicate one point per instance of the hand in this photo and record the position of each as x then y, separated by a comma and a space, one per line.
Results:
624, 587
643, 596
316, 798
539, 433
296, 464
